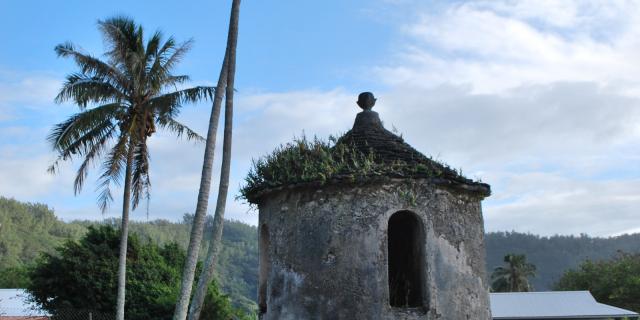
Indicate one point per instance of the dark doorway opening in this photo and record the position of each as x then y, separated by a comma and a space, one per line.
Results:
264, 268
406, 260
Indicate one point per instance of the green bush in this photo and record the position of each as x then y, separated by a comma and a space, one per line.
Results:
615, 282
83, 275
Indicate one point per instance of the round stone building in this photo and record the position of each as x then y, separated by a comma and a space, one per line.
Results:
377, 231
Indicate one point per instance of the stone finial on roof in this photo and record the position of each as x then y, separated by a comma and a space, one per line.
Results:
366, 101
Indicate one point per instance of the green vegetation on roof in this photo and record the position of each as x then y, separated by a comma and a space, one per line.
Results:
319, 161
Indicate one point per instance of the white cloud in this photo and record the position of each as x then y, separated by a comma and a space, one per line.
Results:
557, 119
27, 90
495, 45
538, 98
24, 177
551, 203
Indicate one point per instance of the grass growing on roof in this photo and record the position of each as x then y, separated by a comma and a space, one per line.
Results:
304, 161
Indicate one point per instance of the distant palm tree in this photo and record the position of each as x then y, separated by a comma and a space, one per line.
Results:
121, 101
514, 276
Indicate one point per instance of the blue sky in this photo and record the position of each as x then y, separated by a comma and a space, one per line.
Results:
540, 99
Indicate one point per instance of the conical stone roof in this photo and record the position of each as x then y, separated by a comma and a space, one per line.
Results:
369, 137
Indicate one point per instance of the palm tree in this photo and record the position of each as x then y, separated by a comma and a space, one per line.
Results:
121, 102
218, 221
225, 80
514, 276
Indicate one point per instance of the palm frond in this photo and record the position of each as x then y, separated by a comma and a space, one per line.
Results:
177, 55
158, 71
112, 170
179, 129
85, 144
75, 129
90, 144
119, 34
171, 83
94, 152
166, 103
84, 89
95, 67
140, 183
153, 45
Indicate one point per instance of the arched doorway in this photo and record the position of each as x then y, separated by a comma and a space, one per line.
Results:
405, 248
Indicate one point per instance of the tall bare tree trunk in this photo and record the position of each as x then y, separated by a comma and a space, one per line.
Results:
188, 273
124, 235
195, 238
218, 221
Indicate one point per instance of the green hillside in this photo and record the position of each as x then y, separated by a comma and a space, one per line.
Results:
28, 229
553, 255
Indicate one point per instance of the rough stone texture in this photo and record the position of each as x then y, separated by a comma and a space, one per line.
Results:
327, 251
369, 135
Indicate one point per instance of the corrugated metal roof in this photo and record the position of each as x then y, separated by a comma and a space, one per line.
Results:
14, 302
552, 305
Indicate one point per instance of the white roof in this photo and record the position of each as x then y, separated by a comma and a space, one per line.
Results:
14, 302
552, 305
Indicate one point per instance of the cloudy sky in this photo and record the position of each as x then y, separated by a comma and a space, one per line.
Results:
540, 99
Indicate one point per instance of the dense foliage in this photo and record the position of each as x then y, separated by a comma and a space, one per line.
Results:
303, 161
615, 282
82, 276
514, 275
27, 230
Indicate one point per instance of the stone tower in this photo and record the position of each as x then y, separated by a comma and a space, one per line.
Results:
403, 241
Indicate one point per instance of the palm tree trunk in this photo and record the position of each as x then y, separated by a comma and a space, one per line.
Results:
124, 235
218, 221
188, 273
195, 238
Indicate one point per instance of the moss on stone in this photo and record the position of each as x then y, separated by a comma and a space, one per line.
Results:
320, 161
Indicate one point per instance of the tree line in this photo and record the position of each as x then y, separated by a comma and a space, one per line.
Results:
30, 229
552, 255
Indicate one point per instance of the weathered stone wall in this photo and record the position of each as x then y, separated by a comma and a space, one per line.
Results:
328, 252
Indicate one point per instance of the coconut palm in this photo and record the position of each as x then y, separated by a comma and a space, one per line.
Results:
514, 276
225, 80
215, 243
122, 99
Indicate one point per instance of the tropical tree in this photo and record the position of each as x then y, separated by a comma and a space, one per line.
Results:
80, 277
121, 102
215, 242
226, 81
615, 281
514, 276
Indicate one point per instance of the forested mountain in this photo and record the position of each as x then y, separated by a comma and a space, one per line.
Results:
553, 255
27, 229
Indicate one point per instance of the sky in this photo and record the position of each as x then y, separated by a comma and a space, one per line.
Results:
540, 99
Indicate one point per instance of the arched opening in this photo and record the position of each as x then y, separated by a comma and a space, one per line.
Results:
406, 260
264, 268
